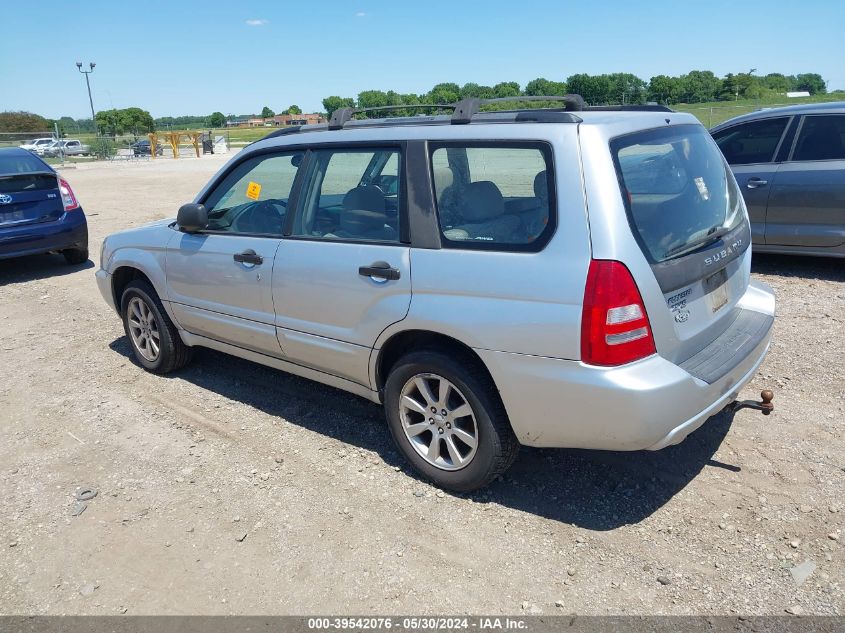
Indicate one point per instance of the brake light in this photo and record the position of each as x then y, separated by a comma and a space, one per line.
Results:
68, 199
614, 325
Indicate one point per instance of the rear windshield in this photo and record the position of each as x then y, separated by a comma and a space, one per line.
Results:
21, 171
678, 189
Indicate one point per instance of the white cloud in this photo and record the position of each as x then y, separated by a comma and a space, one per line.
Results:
360, 14
257, 22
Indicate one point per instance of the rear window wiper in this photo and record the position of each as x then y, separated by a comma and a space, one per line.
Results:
712, 235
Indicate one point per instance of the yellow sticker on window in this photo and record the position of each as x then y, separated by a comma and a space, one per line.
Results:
253, 190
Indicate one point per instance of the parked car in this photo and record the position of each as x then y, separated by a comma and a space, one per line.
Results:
70, 147
790, 165
142, 148
38, 145
39, 212
560, 278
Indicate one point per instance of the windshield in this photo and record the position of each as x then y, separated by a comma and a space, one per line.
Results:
679, 192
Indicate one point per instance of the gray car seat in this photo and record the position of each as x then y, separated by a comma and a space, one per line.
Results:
364, 216
483, 215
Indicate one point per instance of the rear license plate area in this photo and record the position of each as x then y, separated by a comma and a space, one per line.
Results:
11, 216
716, 289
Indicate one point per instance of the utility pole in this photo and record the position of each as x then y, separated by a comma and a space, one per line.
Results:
88, 83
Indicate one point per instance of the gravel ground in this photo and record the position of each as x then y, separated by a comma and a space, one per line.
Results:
233, 488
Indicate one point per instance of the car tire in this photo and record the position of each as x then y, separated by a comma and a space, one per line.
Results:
434, 444
74, 256
153, 337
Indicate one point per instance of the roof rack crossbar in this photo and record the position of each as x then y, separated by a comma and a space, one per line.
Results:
465, 109
342, 116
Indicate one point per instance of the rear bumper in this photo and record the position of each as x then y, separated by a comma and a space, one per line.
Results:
649, 404
71, 231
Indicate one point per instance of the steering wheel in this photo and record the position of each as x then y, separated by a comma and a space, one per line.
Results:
264, 216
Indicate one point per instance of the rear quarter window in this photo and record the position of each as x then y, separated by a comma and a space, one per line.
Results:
494, 196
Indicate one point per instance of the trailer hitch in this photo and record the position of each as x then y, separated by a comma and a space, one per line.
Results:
765, 407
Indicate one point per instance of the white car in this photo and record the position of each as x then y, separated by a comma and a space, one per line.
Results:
38, 145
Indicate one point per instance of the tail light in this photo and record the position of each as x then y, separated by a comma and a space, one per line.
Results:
614, 325
68, 199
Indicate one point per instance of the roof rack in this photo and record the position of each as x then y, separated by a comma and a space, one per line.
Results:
342, 116
465, 109
463, 112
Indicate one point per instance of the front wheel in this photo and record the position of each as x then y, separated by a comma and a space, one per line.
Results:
154, 339
447, 419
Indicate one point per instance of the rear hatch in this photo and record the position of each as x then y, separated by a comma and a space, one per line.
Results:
29, 191
688, 216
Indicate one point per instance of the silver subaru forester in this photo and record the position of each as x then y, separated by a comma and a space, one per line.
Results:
557, 277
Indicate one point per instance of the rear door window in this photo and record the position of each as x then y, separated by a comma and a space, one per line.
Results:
679, 192
821, 138
351, 194
494, 196
753, 142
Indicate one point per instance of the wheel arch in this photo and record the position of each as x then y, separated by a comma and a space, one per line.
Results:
400, 343
127, 271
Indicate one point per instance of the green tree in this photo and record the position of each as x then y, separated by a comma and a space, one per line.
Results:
540, 87
266, 113
136, 120
67, 126
23, 122
776, 82
469, 90
294, 109
444, 93
664, 89
335, 103
811, 82
217, 119
507, 89
700, 85
108, 122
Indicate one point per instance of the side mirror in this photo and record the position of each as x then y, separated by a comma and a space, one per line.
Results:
192, 218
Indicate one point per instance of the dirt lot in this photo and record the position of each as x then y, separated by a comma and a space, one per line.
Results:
233, 488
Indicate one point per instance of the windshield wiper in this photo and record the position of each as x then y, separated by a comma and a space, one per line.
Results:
712, 235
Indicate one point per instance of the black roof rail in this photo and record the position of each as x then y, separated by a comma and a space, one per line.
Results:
629, 108
342, 116
285, 130
466, 108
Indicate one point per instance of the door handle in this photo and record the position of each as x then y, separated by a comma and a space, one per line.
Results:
380, 270
249, 256
755, 182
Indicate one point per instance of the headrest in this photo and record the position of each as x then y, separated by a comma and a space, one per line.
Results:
482, 201
368, 198
363, 211
541, 186
443, 177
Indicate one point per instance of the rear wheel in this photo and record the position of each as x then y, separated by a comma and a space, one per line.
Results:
447, 418
75, 255
154, 339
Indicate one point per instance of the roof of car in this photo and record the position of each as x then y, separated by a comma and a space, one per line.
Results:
834, 107
15, 151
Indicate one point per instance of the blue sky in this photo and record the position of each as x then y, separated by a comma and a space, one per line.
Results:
194, 57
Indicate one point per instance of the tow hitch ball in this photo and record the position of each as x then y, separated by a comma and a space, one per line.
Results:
765, 407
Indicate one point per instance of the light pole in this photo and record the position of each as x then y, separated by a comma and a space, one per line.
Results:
88, 83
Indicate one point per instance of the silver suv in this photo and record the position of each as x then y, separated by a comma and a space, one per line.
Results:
572, 277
